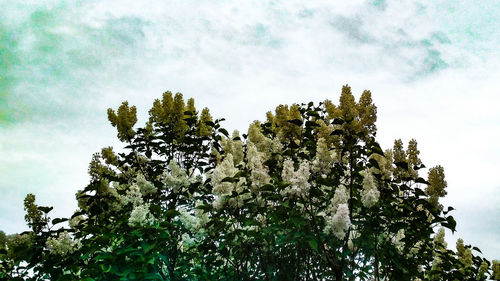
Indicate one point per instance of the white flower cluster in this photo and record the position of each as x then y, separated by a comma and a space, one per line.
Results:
299, 180
76, 221
397, 240
324, 160
384, 164
276, 145
415, 248
340, 197
370, 193
178, 177
440, 245
193, 223
222, 189
140, 216
338, 221
62, 245
259, 175
186, 242
133, 196
224, 170
145, 186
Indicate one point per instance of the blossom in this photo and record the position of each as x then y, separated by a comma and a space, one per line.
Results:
193, 222
298, 180
133, 196
62, 245
140, 216
370, 193
18, 241
74, 222
385, 164
259, 175
340, 197
339, 223
276, 146
438, 240
177, 178
219, 202
353, 235
222, 171
397, 240
288, 170
464, 254
186, 241
145, 186
324, 158
255, 135
233, 146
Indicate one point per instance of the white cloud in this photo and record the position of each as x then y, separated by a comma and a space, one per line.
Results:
432, 70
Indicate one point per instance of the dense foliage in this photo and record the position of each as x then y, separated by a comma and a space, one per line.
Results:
307, 194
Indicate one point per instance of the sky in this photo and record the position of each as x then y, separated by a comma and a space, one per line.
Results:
432, 68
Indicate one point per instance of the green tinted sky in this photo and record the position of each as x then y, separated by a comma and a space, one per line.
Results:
432, 67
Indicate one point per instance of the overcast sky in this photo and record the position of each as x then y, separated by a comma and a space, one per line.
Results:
432, 67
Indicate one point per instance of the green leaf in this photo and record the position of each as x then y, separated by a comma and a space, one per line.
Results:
450, 223
311, 124
416, 168
374, 163
402, 165
172, 213
297, 122
45, 209
228, 179
224, 132
313, 244
337, 133
421, 180
59, 220
268, 187
419, 192
338, 121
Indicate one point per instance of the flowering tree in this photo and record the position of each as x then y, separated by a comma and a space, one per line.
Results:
306, 195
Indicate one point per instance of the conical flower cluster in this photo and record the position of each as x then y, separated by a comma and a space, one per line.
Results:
299, 180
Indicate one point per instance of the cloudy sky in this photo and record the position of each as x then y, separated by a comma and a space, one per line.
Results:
432, 67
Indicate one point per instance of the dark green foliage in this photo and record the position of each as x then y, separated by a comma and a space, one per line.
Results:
185, 201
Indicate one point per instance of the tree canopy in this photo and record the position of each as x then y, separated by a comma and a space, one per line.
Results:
306, 194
